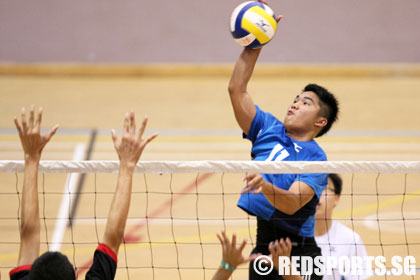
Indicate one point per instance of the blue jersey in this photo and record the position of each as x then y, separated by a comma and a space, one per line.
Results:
270, 142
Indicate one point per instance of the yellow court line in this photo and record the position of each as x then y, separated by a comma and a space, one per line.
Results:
90, 250
364, 209
56, 138
209, 138
408, 70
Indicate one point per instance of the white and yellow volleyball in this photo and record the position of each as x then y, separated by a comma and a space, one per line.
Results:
253, 24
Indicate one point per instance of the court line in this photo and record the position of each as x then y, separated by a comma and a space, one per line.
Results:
374, 206
80, 183
68, 193
176, 221
131, 233
228, 139
224, 132
393, 224
168, 202
363, 209
212, 237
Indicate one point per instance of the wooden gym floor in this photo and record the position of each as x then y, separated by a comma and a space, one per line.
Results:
379, 121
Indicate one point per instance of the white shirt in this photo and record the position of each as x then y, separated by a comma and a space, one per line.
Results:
342, 241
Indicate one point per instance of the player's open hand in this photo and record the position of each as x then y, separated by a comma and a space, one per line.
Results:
231, 253
33, 142
255, 183
132, 144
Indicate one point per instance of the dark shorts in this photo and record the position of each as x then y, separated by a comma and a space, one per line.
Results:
302, 246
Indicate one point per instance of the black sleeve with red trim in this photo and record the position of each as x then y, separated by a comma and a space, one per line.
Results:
104, 264
20, 272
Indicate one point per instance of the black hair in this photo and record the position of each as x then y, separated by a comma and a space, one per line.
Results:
337, 182
328, 103
52, 266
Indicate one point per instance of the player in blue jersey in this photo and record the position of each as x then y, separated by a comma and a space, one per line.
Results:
284, 204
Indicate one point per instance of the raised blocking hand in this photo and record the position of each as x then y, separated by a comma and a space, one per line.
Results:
130, 147
33, 142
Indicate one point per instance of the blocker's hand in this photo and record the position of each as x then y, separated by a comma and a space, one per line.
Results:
231, 253
131, 145
278, 249
33, 142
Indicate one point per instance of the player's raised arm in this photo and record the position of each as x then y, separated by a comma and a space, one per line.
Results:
242, 103
33, 143
129, 149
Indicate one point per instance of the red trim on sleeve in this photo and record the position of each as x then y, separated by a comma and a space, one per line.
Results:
108, 251
20, 268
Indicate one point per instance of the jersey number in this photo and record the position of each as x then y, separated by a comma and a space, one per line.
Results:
278, 153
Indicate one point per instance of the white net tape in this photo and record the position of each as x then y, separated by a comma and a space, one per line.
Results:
371, 167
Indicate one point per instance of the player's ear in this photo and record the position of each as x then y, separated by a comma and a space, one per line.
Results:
336, 200
321, 122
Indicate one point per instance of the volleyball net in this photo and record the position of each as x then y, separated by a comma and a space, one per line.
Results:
178, 207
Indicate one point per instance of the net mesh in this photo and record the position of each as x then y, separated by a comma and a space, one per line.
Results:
177, 208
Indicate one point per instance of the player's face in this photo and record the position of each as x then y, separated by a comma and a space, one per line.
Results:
327, 202
303, 114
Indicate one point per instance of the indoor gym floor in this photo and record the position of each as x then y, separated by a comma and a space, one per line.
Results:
379, 121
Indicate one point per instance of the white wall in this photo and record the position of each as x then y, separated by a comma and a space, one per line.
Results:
196, 31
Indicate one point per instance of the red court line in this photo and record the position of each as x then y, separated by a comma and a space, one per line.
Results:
131, 237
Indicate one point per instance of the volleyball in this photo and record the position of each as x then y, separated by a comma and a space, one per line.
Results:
253, 24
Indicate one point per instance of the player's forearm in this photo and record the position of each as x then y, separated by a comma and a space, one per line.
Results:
243, 70
118, 212
222, 274
30, 224
242, 103
284, 201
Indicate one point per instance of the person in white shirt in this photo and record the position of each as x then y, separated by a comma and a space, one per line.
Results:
334, 238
